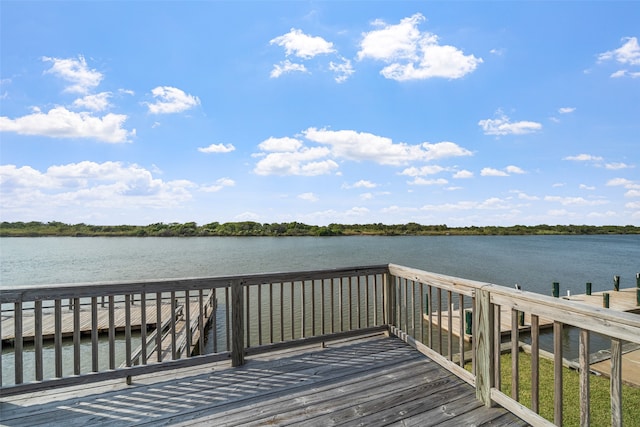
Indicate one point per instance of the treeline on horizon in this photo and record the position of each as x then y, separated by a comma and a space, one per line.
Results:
251, 228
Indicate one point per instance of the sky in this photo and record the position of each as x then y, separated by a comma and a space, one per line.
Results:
355, 112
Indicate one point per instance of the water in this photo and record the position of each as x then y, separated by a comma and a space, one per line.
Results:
534, 262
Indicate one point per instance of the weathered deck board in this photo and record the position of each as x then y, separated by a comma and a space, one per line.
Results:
351, 382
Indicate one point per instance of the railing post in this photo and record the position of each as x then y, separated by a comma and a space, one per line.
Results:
389, 299
237, 323
484, 346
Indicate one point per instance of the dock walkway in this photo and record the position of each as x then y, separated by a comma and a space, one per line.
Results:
369, 381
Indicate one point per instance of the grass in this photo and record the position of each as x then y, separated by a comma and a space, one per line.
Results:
599, 389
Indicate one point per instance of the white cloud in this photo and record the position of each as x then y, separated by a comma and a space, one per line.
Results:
463, 174
296, 43
62, 123
306, 162
97, 102
219, 185
502, 125
285, 144
412, 54
492, 203
342, 70
575, 201
421, 181
76, 72
88, 185
584, 158
587, 187
285, 67
363, 183
310, 197
217, 148
566, 110
514, 169
171, 100
492, 172
628, 54
617, 166
361, 146
423, 171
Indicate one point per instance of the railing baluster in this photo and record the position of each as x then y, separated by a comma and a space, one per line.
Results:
461, 329
333, 311
535, 363
322, 308
450, 325
422, 312
201, 314
143, 327
303, 309
350, 288
174, 349
366, 300
37, 340
187, 318
313, 307
18, 350
439, 296
430, 324
94, 335
127, 334
359, 301
270, 312
557, 373
159, 326
497, 346
585, 393
341, 302
112, 333
58, 337
515, 356
282, 311
247, 307
76, 336
291, 307
616, 382
259, 314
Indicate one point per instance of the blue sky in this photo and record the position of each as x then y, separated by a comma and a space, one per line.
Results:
457, 113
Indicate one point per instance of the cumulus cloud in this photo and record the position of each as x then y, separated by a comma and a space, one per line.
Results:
363, 183
305, 162
299, 44
412, 54
575, 201
88, 185
627, 55
502, 125
284, 144
422, 181
363, 146
171, 100
343, 70
492, 172
465, 205
219, 185
584, 158
62, 123
96, 102
423, 171
463, 174
309, 197
566, 110
617, 166
285, 67
76, 72
217, 148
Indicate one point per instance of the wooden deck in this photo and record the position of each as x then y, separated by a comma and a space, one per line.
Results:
369, 381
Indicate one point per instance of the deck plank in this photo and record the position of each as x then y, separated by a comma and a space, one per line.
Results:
350, 382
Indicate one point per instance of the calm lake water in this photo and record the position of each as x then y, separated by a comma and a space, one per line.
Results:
534, 262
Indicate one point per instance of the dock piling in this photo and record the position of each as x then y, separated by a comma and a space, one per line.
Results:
556, 289
616, 283
605, 300
588, 288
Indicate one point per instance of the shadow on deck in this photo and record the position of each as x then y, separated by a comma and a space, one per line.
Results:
369, 381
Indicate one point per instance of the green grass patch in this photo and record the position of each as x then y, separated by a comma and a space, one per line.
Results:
599, 388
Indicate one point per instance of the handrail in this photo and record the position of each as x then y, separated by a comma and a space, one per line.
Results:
451, 320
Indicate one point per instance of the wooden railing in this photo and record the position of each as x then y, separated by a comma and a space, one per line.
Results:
442, 298
70, 334
451, 320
